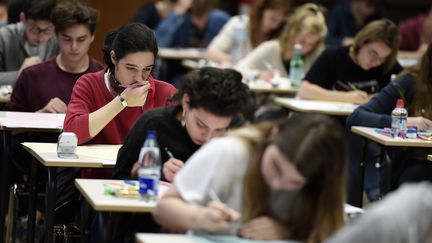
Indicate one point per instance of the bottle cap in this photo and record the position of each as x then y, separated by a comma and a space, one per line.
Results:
151, 134
400, 103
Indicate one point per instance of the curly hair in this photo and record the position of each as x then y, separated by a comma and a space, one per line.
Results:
218, 91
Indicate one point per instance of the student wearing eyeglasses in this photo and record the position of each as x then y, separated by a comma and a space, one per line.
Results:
28, 42
352, 73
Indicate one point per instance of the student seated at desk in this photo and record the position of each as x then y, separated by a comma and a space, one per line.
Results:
47, 87
192, 24
414, 85
264, 182
402, 217
306, 26
264, 23
349, 74
346, 19
28, 42
208, 101
105, 104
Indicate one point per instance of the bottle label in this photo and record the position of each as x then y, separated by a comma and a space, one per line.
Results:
148, 187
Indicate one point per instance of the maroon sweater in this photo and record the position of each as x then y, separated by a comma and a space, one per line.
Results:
38, 84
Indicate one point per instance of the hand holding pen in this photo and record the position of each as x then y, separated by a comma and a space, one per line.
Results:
171, 166
216, 216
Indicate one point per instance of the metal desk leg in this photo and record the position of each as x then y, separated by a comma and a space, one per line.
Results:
50, 204
32, 202
4, 196
85, 222
362, 172
388, 170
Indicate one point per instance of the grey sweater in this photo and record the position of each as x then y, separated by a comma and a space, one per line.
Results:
13, 52
404, 216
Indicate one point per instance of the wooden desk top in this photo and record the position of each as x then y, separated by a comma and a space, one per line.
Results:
89, 156
265, 87
31, 121
182, 53
324, 107
179, 238
93, 191
370, 133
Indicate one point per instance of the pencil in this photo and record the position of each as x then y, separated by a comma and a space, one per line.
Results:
352, 86
213, 196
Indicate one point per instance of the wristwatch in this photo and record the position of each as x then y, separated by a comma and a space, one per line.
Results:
123, 101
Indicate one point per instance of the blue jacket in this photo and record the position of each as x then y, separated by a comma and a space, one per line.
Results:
377, 112
341, 23
178, 30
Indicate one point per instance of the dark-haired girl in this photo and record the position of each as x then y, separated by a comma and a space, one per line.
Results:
104, 105
208, 100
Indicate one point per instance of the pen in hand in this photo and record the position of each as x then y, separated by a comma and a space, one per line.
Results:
169, 153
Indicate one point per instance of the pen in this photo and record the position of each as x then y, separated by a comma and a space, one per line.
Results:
352, 86
213, 196
343, 85
133, 85
169, 153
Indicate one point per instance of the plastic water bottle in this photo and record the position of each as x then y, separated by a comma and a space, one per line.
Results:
296, 72
149, 172
240, 40
399, 118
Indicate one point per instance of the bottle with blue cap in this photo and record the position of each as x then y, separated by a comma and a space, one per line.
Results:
150, 167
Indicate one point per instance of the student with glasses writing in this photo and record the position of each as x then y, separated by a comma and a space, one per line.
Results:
350, 73
28, 42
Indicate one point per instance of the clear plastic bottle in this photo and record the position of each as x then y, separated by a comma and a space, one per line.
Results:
399, 117
149, 172
240, 40
296, 72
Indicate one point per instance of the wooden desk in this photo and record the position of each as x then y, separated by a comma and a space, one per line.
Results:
93, 191
324, 107
369, 133
94, 156
178, 238
23, 122
182, 53
265, 87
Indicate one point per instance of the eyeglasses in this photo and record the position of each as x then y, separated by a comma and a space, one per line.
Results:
37, 31
374, 56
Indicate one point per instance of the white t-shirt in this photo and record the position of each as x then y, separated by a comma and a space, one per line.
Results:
223, 41
220, 166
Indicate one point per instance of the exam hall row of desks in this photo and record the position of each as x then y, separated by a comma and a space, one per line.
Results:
10, 121
100, 156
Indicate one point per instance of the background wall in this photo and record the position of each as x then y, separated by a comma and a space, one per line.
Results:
114, 13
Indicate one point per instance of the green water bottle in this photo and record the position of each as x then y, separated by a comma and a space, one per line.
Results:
296, 72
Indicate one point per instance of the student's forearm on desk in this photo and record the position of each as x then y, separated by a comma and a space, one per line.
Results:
315, 92
174, 213
100, 118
